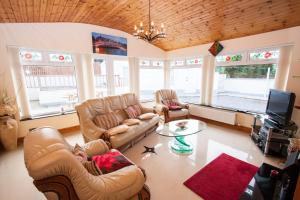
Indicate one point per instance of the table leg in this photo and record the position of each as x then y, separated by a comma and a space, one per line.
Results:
181, 146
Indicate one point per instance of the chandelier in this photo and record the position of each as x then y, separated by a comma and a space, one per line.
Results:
152, 33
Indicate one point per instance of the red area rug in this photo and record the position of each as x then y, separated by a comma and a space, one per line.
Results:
225, 178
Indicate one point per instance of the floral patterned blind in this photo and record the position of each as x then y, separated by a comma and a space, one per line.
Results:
62, 58
264, 55
177, 63
229, 58
194, 61
30, 55
158, 63
144, 62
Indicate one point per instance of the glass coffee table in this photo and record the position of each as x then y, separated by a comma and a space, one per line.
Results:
179, 143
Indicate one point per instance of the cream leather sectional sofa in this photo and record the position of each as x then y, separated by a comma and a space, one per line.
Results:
88, 110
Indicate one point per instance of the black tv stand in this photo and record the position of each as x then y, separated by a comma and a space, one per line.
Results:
271, 137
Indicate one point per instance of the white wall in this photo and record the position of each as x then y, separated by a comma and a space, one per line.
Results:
290, 36
67, 37
76, 38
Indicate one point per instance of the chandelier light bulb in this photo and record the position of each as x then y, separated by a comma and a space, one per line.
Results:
141, 24
152, 23
162, 25
135, 28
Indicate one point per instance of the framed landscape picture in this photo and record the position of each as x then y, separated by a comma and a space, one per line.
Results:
108, 44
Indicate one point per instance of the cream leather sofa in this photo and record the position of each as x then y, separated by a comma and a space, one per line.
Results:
88, 110
170, 115
59, 175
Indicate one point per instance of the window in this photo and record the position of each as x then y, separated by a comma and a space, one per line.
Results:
121, 76
50, 81
186, 80
51, 89
243, 87
100, 75
151, 79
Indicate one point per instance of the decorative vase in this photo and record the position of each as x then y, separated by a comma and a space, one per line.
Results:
8, 132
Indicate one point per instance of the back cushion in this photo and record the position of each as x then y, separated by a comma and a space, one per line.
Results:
133, 111
107, 121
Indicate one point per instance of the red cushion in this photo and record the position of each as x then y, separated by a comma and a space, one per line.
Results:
172, 105
111, 161
175, 107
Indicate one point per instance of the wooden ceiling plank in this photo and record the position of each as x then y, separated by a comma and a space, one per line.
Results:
16, 11
8, 11
3, 15
43, 7
29, 10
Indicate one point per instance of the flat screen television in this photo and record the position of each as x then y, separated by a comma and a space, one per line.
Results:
280, 106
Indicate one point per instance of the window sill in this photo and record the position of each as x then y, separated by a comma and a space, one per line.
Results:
48, 115
146, 101
227, 109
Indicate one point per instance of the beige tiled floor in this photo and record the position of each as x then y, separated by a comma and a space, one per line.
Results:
165, 170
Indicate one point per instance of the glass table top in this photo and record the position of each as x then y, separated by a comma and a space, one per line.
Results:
172, 130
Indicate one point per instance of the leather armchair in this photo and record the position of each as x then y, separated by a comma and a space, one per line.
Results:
59, 175
170, 115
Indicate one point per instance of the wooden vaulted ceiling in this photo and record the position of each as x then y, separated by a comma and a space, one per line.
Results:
188, 22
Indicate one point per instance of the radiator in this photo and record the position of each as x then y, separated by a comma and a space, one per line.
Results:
225, 116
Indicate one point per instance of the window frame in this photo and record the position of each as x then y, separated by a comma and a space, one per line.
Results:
186, 66
151, 66
107, 75
45, 62
245, 61
112, 71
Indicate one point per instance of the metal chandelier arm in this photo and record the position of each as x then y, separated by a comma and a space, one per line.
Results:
152, 32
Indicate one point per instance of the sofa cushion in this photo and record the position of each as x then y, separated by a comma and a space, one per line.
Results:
107, 121
117, 130
131, 122
178, 113
79, 153
120, 139
133, 111
133, 132
111, 161
146, 125
146, 116
92, 168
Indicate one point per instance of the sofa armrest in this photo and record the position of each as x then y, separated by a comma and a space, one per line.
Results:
147, 110
183, 105
123, 183
161, 109
90, 130
95, 147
